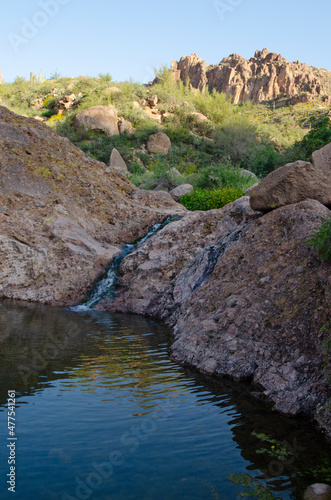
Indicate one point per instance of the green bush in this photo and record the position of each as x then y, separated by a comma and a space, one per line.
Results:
319, 136
214, 105
321, 239
106, 77
208, 200
221, 176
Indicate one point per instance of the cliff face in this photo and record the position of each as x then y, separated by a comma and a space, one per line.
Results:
264, 77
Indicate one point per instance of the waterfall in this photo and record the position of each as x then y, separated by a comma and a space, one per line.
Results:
106, 286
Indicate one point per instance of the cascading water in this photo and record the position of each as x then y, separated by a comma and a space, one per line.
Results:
106, 286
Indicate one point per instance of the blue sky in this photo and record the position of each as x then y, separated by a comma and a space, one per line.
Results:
129, 38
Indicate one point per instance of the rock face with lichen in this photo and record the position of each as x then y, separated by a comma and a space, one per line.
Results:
264, 77
245, 295
63, 215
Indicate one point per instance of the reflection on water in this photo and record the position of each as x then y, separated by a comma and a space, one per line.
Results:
103, 413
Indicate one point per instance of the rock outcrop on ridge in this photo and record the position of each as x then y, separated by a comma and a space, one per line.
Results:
245, 295
264, 77
63, 215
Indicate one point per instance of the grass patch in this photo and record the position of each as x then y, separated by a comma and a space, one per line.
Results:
208, 200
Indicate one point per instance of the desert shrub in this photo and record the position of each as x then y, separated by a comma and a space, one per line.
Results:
160, 173
170, 93
106, 77
179, 134
241, 144
207, 200
319, 136
321, 239
221, 176
143, 132
214, 105
183, 156
100, 147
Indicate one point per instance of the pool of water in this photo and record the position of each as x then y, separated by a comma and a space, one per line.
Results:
102, 412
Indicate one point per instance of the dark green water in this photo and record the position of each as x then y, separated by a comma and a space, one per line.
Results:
103, 413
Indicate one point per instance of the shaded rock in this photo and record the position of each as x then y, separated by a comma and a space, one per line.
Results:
99, 119
66, 216
245, 295
199, 117
153, 100
159, 143
116, 161
124, 126
295, 182
318, 491
179, 191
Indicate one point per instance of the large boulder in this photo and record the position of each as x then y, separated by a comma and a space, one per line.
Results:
199, 117
99, 119
179, 191
295, 182
63, 215
322, 159
159, 143
246, 296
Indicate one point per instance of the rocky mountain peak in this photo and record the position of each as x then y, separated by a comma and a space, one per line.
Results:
261, 54
264, 77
